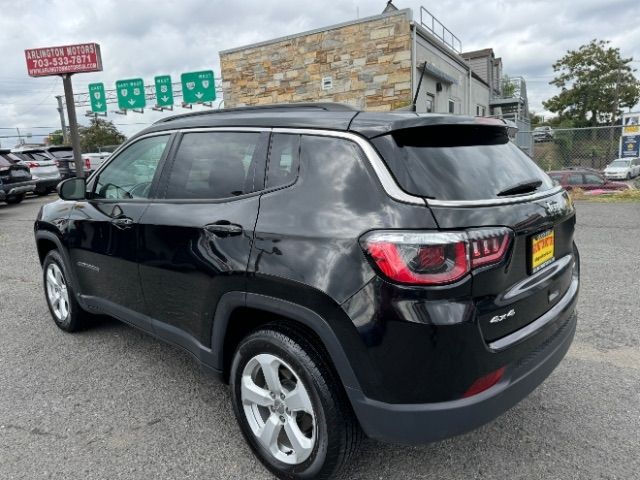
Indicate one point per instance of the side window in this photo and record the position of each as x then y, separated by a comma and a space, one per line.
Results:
591, 179
575, 179
284, 160
130, 174
212, 165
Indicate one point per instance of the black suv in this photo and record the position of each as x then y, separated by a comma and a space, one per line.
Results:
406, 276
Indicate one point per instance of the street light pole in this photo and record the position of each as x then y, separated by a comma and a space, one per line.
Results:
63, 123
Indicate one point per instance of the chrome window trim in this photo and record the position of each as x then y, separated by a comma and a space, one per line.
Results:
387, 181
495, 201
382, 172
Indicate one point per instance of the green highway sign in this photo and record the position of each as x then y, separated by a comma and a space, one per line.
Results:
198, 87
130, 94
164, 91
97, 98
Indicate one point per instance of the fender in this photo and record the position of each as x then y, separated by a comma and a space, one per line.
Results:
50, 236
230, 301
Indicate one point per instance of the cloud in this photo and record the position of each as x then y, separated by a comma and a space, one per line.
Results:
144, 38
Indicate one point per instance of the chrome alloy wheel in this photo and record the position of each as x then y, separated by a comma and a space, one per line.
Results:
278, 409
57, 292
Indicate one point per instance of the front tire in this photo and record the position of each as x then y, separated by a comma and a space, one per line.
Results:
60, 296
290, 406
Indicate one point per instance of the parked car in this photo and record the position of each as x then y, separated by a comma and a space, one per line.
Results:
15, 179
95, 159
623, 169
586, 179
410, 277
63, 156
42, 166
543, 134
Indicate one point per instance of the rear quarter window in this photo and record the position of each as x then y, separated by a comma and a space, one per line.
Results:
458, 162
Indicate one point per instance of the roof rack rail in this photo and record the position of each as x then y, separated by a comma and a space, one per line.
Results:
326, 106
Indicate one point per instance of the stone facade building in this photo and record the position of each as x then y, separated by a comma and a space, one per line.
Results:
374, 63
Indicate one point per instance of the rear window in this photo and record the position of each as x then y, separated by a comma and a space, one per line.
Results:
461, 162
62, 153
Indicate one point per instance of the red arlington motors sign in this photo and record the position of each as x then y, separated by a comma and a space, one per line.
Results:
84, 57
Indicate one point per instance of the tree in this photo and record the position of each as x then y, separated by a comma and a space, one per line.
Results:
98, 134
56, 138
596, 82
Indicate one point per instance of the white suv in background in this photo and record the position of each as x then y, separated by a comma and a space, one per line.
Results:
623, 169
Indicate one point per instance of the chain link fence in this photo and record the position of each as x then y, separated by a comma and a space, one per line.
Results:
560, 148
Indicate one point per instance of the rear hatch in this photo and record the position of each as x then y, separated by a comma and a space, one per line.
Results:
11, 173
42, 166
473, 177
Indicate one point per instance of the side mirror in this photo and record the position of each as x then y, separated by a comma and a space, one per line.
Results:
72, 189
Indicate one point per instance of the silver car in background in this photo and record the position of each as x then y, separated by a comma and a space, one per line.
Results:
42, 166
623, 169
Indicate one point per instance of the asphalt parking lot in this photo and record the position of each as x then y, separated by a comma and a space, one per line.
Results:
113, 403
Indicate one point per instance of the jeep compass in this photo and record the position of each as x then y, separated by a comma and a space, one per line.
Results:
402, 276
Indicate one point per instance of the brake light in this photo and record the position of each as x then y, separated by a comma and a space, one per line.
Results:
87, 163
434, 258
33, 164
484, 383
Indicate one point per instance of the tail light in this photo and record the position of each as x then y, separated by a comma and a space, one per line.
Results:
33, 164
485, 383
434, 258
87, 163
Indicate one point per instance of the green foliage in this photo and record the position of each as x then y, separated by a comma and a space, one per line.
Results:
508, 87
596, 83
100, 132
56, 138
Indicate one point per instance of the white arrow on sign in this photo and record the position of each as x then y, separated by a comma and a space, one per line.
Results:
199, 95
132, 101
164, 99
99, 105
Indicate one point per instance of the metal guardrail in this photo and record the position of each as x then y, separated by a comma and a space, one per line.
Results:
433, 25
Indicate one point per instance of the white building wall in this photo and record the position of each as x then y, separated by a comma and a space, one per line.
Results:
465, 92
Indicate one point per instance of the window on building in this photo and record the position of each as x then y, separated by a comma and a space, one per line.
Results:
430, 102
452, 106
481, 110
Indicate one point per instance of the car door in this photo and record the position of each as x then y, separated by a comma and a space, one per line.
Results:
103, 229
575, 180
593, 181
196, 238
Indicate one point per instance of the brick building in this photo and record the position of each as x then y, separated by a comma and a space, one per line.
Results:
374, 63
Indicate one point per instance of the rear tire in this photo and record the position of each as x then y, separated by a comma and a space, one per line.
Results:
291, 408
15, 200
60, 295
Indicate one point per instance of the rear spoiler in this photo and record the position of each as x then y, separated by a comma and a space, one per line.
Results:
372, 124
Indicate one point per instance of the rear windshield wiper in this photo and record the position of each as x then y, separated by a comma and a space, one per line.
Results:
521, 188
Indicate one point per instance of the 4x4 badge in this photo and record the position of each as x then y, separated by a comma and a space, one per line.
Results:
499, 318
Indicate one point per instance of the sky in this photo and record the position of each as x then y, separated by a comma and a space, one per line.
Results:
145, 38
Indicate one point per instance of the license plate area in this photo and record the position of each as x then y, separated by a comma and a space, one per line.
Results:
542, 249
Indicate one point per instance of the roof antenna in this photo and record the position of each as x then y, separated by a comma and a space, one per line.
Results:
415, 99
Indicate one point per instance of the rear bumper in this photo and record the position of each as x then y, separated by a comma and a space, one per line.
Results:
21, 188
428, 422
45, 183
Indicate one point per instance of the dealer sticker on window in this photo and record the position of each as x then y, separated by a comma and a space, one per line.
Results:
542, 250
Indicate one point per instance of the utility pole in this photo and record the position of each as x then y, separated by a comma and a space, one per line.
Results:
73, 124
63, 123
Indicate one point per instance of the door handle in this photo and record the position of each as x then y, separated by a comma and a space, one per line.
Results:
122, 222
223, 229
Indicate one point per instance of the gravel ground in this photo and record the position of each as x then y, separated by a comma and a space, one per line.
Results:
113, 403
